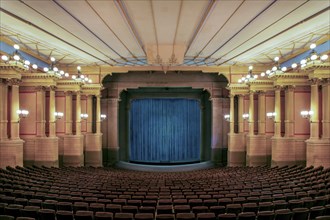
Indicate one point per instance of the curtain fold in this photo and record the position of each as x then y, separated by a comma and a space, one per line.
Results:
165, 130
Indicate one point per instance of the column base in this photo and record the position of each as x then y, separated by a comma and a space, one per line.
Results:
11, 153
71, 150
93, 149
256, 151
318, 152
41, 151
236, 150
110, 156
219, 156
288, 151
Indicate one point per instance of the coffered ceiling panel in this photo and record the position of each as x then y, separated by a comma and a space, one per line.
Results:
162, 32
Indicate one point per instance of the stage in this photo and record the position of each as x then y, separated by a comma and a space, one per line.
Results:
164, 168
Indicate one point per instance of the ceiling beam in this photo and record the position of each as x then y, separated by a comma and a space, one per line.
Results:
123, 10
51, 34
275, 35
201, 23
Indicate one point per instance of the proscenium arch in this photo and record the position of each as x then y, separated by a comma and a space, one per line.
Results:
117, 86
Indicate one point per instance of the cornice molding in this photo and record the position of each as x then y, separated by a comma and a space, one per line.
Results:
39, 79
11, 70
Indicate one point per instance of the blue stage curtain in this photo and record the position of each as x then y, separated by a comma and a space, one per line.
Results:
165, 130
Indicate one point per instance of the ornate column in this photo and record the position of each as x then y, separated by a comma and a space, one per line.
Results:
52, 123
232, 119
14, 118
98, 114
326, 109
277, 119
216, 145
112, 150
251, 113
3, 109
90, 113
289, 111
93, 141
41, 122
68, 113
240, 113
261, 113
78, 113
236, 142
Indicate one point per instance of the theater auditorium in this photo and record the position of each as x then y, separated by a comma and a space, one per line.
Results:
165, 110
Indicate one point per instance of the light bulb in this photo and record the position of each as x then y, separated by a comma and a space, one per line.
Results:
90, 81
4, 57
324, 57
62, 72
82, 76
303, 65
303, 61
26, 62
255, 76
262, 74
274, 68
78, 68
250, 67
239, 81
312, 46
314, 57
294, 65
52, 59
16, 57
267, 72
284, 69
55, 69
248, 76
35, 66
86, 79
66, 74
74, 77
16, 47
243, 78
276, 59
46, 69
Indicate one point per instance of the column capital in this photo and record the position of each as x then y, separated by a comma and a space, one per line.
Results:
278, 87
260, 92
325, 81
314, 81
67, 93
40, 88
52, 88
289, 88
14, 82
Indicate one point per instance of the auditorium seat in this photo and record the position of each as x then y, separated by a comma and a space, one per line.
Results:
185, 216
7, 217
206, 216
300, 214
64, 215
30, 211
84, 215
103, 216
283, 214
246, 216
144, 216
266, 215
227, 216
233, 208
165, 217
316, 211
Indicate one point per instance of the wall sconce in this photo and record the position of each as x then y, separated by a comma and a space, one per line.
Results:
227, 117
83, 116
270, 115
58, 115
306, 114
22, 113
103, 117
245, 116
